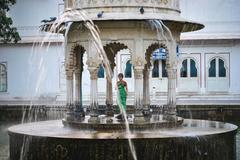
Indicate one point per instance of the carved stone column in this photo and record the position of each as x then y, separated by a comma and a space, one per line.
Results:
93, 65
138, 64
172, 90
77, 86
109, 93
69, 76
172, 75
70, 104
78, 90
109, 97
146, 91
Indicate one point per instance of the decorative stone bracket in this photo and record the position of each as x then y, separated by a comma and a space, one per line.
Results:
69, 74
93, 65
138, 64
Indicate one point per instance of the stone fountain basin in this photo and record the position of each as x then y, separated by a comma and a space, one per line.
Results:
195, 139
151, 122
55, 128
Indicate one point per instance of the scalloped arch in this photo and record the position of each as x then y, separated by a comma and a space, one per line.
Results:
112, 49
152, 48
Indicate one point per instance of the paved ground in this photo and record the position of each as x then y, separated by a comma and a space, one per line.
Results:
4, 152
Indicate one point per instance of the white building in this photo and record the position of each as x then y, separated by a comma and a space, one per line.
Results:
208, 68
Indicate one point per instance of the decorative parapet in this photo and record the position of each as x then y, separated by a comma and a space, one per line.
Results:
165, 10
110, 4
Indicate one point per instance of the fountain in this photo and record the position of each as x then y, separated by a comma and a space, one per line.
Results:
100, 29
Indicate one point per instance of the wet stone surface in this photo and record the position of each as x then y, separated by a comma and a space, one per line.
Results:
113, 123
4, 141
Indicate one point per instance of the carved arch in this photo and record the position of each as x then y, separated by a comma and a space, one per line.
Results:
151, 49
74, 60
112, 49
219, 58
197, 65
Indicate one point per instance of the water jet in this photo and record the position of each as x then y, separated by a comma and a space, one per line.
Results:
159, 134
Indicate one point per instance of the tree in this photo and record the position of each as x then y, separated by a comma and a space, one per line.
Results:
8, 33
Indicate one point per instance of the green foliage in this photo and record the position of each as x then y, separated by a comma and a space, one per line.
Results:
8, 33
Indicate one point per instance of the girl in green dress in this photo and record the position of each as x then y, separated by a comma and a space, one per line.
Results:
122, 92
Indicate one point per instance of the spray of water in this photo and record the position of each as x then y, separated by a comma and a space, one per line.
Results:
157, 25
98, 45
161, 29
58, 26
89, 24
128, 131
165, 33
37, 72
31, 113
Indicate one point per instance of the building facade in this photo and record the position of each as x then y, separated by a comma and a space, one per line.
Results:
207, 73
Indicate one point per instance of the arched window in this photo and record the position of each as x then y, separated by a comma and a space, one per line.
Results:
159, 69
3, 78
217, 68
101, 71
212, 69
188, 68
164, 68
128, 70
184, 68
155, 71
193, 68
222, 69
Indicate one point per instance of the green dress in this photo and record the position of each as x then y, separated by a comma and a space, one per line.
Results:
122, 93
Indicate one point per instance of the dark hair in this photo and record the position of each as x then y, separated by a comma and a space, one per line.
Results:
120, 75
